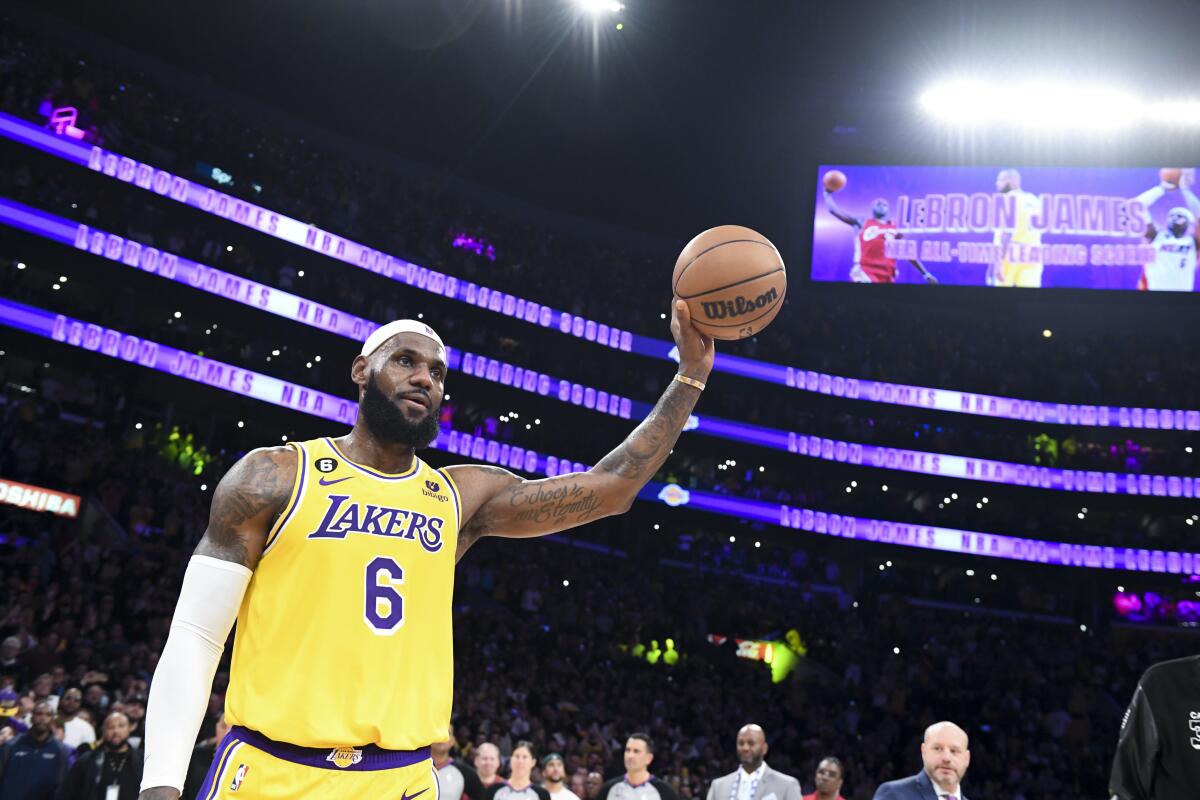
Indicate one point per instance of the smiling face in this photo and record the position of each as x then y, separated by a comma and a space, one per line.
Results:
751, 747
401, 386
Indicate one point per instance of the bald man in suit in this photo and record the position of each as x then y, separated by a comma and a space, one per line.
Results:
946, 755
753, 779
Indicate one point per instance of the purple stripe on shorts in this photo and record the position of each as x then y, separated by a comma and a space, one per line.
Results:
366, 758
214, 769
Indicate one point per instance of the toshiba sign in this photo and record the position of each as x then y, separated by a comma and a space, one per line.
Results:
36, 498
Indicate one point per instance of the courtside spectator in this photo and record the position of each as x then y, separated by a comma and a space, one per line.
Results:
111, 771
829, 777
34, 764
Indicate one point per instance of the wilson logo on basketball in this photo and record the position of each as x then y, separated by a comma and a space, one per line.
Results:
723, 309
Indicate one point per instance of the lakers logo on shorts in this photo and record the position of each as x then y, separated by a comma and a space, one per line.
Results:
343, 757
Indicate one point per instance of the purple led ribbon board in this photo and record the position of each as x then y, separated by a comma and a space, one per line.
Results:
317, 240
210, 372
256, 295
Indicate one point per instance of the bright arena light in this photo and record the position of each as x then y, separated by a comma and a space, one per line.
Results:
600, 6
1051, 105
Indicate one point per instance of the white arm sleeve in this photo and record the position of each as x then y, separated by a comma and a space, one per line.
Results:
1149, 198
208, 605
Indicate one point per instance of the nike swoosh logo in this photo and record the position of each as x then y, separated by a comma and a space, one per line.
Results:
407, 796
324, 482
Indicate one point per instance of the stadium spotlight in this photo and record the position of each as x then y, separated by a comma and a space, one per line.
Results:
1060, 104
600, 6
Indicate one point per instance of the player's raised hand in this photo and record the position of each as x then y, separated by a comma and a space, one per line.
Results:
696, 350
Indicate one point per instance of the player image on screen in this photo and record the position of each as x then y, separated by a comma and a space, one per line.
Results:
871, 263
1017, 266
1174, 265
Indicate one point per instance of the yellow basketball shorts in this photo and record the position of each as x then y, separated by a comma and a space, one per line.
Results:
1013, 273
249, 765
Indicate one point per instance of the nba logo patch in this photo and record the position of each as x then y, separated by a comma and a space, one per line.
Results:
238, 777
343, 757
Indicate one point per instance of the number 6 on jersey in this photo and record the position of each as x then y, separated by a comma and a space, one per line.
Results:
384, 610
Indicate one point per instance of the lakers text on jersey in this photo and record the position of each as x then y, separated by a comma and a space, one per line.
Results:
344, 636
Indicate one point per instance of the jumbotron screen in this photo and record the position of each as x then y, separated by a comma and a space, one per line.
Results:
1055, 227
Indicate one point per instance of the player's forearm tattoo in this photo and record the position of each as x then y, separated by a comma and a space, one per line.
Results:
259, 482
567, 503
645, 450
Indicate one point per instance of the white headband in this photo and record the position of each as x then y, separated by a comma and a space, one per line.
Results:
386, 332
1187, 212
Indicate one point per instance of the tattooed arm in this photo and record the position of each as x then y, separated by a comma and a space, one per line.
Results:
499, 503
245, 505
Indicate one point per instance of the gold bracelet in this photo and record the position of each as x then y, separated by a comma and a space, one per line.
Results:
690, 381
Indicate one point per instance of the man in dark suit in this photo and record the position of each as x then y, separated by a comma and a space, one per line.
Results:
946, 758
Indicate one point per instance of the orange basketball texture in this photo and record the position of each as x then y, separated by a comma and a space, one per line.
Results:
733, 281
1170, 174
834, 180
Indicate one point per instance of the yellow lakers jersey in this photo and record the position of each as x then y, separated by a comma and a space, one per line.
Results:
344, 636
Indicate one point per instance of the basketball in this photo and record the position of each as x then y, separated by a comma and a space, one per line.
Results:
1170, 175
733, 281
834, 180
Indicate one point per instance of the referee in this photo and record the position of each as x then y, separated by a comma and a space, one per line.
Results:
1158, 752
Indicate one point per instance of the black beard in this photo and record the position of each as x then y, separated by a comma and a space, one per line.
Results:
390, 425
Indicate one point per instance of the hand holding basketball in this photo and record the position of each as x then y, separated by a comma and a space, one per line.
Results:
733, 280
834, 180
1170, 175
696, 351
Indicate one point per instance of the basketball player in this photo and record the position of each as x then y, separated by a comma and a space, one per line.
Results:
1009, 270
1174, 265
871, 264
336, 557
